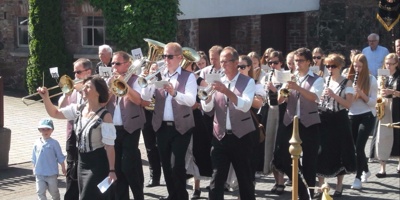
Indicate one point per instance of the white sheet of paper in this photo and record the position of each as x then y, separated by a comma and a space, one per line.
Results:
266, 68
54, 72
314, 69
104, 185
383, 72
105, 71
137, 53
160, 84
211, 78
283, 76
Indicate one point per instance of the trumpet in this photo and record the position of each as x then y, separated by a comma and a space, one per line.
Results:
144, 81
285, 92
206, 92
66, 84
120, 88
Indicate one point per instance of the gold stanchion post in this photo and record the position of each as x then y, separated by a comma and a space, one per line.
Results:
295, 150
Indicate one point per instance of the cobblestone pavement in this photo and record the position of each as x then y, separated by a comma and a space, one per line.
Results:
17, 181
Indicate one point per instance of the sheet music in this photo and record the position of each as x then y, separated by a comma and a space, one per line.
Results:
314, 69
105, 71
104, 185
211, 78
160, 84
283, 76
383, 72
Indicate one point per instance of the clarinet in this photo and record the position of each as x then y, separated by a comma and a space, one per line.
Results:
323, 102
273, 97
355, 79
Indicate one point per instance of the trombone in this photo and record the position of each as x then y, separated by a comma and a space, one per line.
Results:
65, 83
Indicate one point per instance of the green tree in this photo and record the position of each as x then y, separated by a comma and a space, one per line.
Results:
129, 21
46, 45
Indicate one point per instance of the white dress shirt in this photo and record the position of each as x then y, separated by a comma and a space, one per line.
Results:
243, 103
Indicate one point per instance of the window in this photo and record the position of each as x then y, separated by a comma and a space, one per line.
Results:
93, 32
22, 32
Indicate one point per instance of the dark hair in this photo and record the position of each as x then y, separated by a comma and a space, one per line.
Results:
125, 56
86, 63
101, 87
203, 55
304, 52
249, 63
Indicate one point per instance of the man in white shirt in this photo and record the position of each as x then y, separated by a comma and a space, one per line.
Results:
375, 53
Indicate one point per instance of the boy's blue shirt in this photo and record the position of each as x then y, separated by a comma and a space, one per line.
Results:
46, 156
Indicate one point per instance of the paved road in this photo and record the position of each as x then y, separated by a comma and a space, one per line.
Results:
17, 181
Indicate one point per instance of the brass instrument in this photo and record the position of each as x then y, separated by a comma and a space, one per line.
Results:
206, 92
119, 87
285, 92
392, 125
156, 49
65, 83
380, 101
144, 81
190, 56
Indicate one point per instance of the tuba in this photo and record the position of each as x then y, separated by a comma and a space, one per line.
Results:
190, 56
156, 49
380, 101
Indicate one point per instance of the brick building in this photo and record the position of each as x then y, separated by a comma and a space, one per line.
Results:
253, 25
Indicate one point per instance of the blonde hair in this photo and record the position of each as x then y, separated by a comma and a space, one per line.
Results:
363, 77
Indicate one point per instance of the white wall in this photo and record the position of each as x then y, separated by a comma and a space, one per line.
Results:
193, 9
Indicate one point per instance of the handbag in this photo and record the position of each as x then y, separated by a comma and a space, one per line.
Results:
260, 127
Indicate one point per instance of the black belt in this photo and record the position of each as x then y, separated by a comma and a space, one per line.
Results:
168, 123
228, 132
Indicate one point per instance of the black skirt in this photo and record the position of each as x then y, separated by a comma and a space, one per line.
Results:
92, 169
337, 151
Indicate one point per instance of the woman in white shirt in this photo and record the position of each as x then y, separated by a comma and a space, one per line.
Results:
362, 114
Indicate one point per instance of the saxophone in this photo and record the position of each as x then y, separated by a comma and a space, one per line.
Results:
380, 101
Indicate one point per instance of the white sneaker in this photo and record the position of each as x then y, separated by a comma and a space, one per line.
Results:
365, 176
356, 184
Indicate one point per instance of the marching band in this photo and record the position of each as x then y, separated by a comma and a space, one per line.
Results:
336, 117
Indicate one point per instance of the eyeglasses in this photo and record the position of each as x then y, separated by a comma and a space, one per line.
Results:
80, 71
317, 57
391, 63
170, 57
242, 66
331, 66
117, 63
225, 61
299, 61
273, 62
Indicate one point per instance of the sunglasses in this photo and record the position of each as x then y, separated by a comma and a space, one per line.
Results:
80, 71
44, 129
117, 63
242, 66
273, 63
331, 66
317, 57
170, 57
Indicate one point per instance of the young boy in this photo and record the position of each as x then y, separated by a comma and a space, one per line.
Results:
45, 156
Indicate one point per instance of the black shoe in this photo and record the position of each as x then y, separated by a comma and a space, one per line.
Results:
196, 194
381, 175
337, 194
280, 189
153, 183
273, 189
288, 183
317, 195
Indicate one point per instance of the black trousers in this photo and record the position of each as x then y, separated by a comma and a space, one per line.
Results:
128, 165
310, 137
150, 141
71, 189
172, 147
362, 126
237, 151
